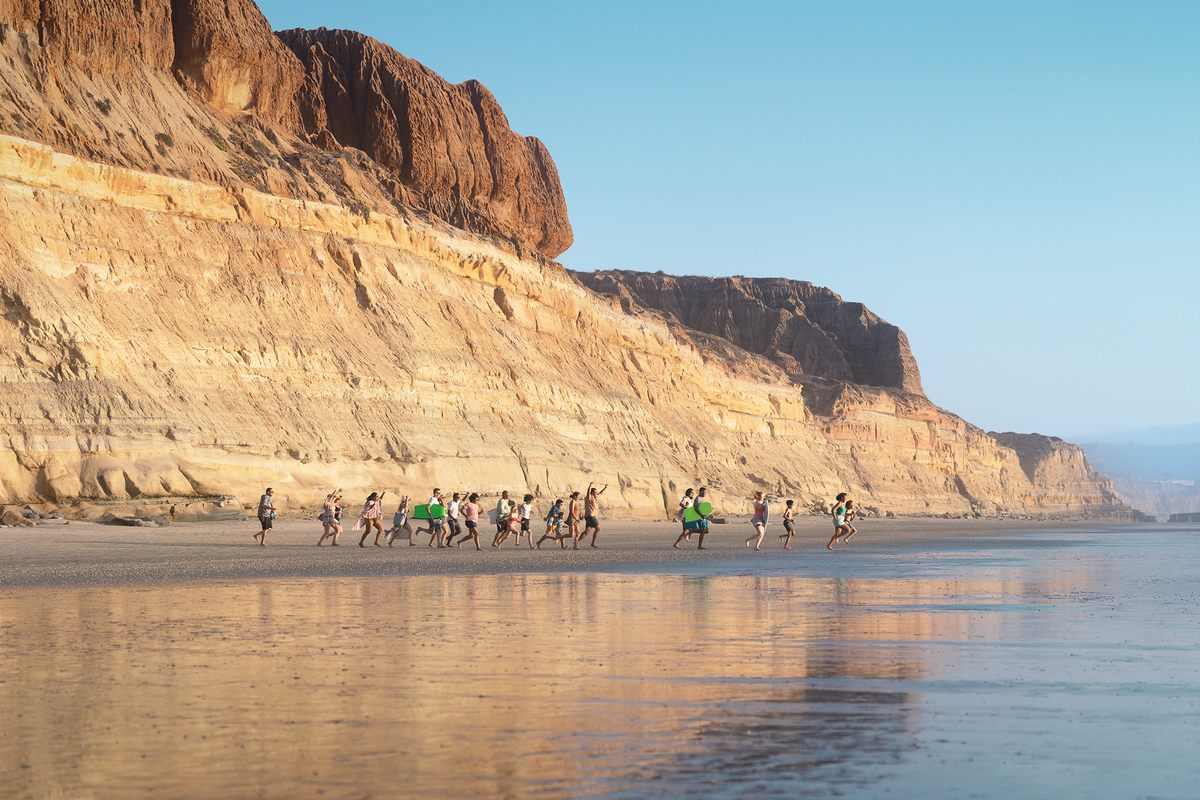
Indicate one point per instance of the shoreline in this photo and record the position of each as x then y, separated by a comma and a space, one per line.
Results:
92, 554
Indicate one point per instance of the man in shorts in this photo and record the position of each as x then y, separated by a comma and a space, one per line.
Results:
453, 513
685, 503
591, 513
266, 516
503, 518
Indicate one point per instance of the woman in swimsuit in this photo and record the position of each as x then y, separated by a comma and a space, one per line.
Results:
573, 518
839, 519
331, 518
471, 513
759, 521
371, 517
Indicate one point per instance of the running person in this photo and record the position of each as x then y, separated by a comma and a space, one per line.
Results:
471, 513
759, 521
526, 520
839, 519
789, 525
371, 517
453, 513
591, 512
400, 524
685, 503
573, 518
503, 519
851, 515
331, 518
554, 523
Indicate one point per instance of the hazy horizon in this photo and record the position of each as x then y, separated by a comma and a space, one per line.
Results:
1013, 185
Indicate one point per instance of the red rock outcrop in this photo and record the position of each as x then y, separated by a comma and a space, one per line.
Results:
449, 144
204, 89
807, 330
227, 52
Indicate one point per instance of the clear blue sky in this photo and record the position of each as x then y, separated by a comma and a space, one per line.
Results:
1016, 184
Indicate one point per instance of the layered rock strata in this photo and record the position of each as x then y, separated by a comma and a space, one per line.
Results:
229, 259
163, 337
450, 144
204, 90
808, 331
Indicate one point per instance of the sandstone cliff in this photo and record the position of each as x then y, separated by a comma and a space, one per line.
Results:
807, 330
196, 301
450, 144
203, 89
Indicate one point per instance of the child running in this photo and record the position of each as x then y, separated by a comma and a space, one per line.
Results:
789, 525
554, 525
851, 514
526, 518
400, 522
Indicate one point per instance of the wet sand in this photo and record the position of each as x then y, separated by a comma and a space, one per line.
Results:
933, 659
93, 554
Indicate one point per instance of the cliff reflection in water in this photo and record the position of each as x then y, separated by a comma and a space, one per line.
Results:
492, 685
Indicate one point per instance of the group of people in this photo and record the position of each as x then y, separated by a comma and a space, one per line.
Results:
459, 519
843, 511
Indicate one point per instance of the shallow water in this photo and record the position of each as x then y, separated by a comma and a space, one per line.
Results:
1057, 665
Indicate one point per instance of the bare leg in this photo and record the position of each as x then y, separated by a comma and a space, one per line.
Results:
682, 537
703, 531
760, 531
595, 533
836, 533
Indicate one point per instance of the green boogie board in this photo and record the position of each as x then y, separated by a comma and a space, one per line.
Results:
697, 512
425, 511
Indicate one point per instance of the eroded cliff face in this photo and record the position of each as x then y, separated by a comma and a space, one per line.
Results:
450, 144
162, 337
807, 330
203, 89
203, 292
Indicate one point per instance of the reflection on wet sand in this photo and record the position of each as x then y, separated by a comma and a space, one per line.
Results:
500, 685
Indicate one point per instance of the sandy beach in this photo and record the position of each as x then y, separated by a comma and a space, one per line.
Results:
936, 659
85, 553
